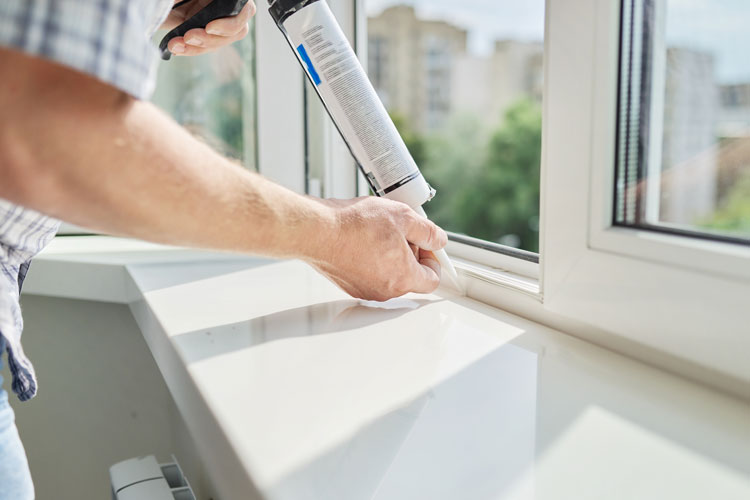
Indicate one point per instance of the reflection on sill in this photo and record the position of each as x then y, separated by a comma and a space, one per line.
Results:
454, 434
352, 399
307, 321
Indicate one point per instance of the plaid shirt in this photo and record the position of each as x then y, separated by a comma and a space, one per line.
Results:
108, 39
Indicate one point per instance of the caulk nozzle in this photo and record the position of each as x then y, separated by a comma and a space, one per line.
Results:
445, 262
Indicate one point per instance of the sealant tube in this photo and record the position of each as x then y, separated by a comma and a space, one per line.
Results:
350, 99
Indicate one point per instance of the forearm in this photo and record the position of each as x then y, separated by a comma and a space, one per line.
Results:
77, 149
83, 152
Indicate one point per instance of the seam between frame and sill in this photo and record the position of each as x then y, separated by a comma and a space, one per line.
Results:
499, 277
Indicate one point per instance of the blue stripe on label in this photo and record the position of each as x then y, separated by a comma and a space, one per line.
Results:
310, 68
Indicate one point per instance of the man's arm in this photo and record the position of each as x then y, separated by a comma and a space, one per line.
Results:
82, 151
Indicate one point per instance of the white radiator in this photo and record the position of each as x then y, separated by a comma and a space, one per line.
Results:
143, 478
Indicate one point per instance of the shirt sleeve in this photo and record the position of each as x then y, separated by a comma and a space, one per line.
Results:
108, 39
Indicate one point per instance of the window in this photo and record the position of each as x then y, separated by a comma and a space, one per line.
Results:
633, 287
377, 48
213, 96
464, 86
684, 131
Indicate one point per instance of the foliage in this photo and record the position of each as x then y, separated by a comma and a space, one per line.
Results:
488, 187
455, 159
733, 213
414, 142
225, 103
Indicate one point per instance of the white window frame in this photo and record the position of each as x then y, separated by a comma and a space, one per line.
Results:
713, 257
298, 145
328, 156
675, 301
652, 289
280, 103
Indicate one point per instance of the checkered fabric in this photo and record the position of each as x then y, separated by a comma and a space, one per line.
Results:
108, 39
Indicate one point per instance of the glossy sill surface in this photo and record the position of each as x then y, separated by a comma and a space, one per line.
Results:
438, 397
296, 391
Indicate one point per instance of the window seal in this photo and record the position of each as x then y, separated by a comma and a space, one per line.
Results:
705, 234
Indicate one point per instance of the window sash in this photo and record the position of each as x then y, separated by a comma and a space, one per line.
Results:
476, 250
664, 244
656, 292
640, 123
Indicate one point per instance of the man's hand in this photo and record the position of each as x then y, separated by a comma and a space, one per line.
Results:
217, 33
382, 249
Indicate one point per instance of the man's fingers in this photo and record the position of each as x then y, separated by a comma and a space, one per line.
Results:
415, 250
425, 234
197, 42
428, 254
217, 33
426, 274
177, 46
230, 26
199, 38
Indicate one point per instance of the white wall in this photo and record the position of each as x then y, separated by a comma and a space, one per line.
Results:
101, 400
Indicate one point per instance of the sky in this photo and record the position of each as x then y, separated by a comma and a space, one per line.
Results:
718, 26
486, 20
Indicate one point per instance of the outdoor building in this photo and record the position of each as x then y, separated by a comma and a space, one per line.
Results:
411, 63
488, 86
423, 70
734, 117
691, 112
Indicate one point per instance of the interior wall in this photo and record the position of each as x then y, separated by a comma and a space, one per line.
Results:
101, 400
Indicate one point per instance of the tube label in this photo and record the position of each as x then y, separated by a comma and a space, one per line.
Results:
309, 64
350, 98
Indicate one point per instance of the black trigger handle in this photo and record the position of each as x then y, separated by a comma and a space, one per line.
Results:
215, 10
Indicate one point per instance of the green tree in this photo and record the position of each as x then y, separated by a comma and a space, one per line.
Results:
501, 201
415, 143
455, 158
733, 214
487, 186
225, 124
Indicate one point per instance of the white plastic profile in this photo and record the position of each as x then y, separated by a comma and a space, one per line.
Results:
143, 478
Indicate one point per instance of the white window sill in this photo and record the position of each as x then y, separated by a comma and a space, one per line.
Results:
293, 389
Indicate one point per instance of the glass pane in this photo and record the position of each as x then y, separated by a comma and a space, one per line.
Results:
213, 96
684, 141
463, 82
